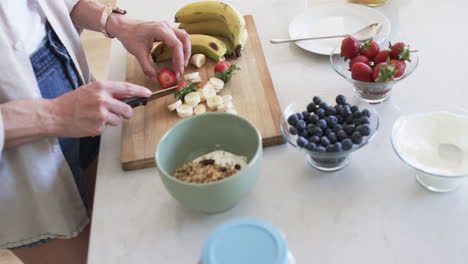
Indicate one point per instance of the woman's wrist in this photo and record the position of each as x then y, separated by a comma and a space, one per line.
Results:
116, 25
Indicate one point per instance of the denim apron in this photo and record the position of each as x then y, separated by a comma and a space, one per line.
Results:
56, 75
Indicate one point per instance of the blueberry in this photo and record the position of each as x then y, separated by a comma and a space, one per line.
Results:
314, 139
338, 108
331, 148
311, 107
331, 111
302, 142
364, 130
292, 119
317, 131
313, 119
354, 108
327, 131
317, 100
337, 128
306, 116
364, 120
340, 119
311, 146
322, 123
345, 111
357, 115
293, 130
310, 128
349, 129
366, 112
320, 112
357, 138
301, 125
341, 135
341, 99
349, 119
321, 149
332, 121
324, 141
303, 134
347, 144
323, 105
332, 137
338, 147
299, 116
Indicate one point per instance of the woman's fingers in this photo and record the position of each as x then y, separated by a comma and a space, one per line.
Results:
187, 46
171, 40
146, 63
113, 119
122, 90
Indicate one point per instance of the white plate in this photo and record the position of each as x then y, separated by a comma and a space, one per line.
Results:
334, 19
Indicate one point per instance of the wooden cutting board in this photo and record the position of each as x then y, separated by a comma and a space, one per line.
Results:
252, 90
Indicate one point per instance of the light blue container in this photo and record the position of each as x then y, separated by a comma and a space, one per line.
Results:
246, 241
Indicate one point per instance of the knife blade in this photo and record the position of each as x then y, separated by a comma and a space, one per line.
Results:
137, 101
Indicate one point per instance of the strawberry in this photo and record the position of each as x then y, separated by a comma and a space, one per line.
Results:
382, 56
400, 66
166, 78
400, 51
181, 86
370, 49
224, 70
183, 89
361, 72
384, 72
350, 47
360, 58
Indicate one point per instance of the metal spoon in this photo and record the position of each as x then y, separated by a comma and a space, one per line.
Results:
363, 34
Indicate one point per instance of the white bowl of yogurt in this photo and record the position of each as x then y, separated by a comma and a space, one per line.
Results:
436, 145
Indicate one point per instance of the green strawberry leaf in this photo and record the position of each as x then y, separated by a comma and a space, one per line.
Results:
228, 73
184, 91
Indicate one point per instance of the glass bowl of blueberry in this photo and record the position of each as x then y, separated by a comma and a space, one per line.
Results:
328, 134
374, 79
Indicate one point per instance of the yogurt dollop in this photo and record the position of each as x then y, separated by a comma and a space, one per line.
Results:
435, 142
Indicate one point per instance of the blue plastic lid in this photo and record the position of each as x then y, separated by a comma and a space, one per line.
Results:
246, 241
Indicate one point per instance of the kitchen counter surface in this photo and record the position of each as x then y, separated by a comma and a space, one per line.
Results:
372, 211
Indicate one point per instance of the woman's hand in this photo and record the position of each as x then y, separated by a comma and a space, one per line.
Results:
138, 38
87, 110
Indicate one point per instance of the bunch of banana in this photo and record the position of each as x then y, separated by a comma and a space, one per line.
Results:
212, 47
215, 18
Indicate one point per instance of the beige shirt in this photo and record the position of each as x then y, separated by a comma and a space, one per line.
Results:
38, 195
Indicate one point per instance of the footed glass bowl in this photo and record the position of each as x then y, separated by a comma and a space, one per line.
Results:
370, 92
328, 161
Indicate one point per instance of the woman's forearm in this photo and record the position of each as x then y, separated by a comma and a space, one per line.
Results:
87, 15
26, 121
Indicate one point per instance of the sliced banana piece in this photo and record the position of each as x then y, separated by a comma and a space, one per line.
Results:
222, 108
232, 111
218, 84
229, 105
227, 98
198, 60
193, 77
202, 96
209, 91
199, 109
214, 102
192, 99
174, 106
184, 110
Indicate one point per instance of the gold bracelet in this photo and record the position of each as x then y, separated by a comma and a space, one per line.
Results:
105, 18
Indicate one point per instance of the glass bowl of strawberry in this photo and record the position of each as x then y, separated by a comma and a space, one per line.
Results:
373, 70
328, 134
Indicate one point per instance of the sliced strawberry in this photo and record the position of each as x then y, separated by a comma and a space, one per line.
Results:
382, 56
181, 86
360, 58
183, 89
350, 47
361, 72
384, 72
166, 78
370, 49
224, 70
400, 66
400, 51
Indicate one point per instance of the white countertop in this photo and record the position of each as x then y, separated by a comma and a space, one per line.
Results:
372, 211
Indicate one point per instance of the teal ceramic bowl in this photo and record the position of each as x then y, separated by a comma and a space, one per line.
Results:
200, 135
